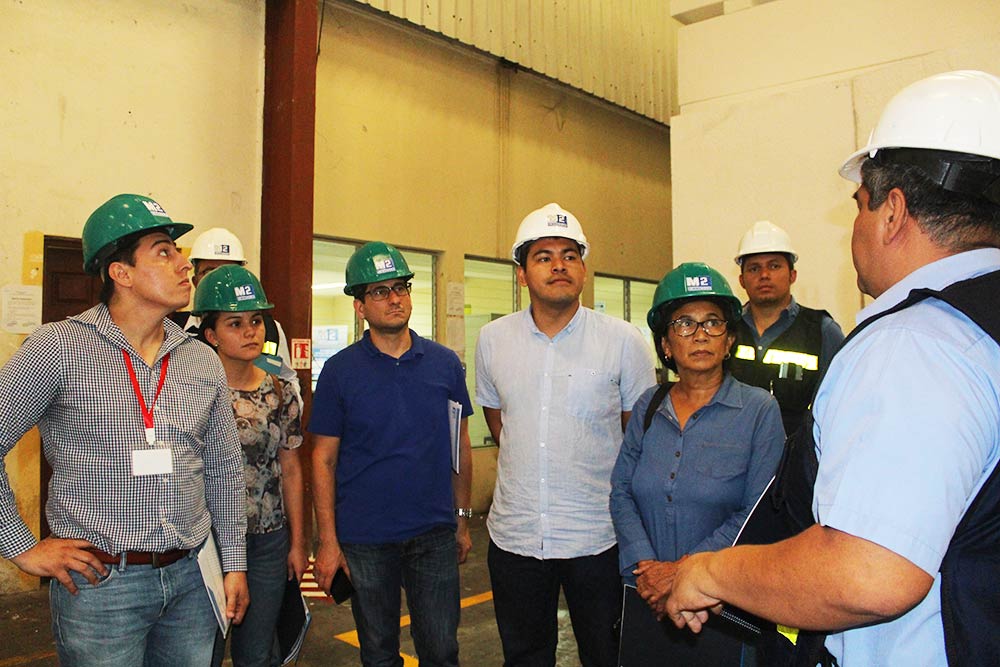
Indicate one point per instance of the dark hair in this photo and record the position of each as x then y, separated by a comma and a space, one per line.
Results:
208, 321
954, 221
125, 253
666, 312
522, 252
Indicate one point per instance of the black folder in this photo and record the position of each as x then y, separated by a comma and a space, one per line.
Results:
646, 642
293, 622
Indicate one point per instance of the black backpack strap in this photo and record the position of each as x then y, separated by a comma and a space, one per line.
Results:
654, 404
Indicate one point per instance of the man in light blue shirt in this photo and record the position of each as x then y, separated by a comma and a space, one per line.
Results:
557, 383
908, 417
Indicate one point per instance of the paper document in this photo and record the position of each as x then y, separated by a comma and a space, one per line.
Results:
293, 622
455, 423
211, 573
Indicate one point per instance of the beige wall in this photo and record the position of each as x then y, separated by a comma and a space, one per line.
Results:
773, 98
111, 96
430, 146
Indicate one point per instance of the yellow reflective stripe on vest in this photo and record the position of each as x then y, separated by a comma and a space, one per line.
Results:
745, 352
810, 362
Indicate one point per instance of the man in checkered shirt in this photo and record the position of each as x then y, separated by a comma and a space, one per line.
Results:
137, 424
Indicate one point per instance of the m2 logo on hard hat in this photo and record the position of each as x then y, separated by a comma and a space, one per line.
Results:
222, 249
557, 220
244, 293
154, 208
383, 264
698, 284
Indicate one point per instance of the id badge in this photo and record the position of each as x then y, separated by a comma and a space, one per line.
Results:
153, 461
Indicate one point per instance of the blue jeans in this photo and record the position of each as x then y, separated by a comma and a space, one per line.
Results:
427, 567
267, 571
526, 603
135, 616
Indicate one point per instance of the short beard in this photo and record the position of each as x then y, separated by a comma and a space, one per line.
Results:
770, 300
390, 331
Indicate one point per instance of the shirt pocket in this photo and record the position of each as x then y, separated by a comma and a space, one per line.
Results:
592, 394
721, 461
188, 407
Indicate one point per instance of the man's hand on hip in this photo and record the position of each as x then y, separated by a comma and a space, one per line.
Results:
56, 557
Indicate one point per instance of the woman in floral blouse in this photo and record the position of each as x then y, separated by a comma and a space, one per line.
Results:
230, 301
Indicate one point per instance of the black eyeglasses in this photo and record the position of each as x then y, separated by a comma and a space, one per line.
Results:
382, 293
685, 326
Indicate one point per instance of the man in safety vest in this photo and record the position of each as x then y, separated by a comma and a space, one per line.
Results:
781, 346
900, 567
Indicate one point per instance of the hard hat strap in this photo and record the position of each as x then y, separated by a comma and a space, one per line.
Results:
962, 173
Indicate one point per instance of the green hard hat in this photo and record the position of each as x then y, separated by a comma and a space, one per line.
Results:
229, 289
119, 217
691, 280
374, 262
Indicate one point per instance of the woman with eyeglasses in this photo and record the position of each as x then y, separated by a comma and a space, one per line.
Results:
696, 456
231, 301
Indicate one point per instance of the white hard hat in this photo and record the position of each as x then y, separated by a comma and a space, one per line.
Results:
550, 220
765, 236
955, 111
218, 243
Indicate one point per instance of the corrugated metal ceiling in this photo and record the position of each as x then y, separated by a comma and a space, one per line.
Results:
618, 50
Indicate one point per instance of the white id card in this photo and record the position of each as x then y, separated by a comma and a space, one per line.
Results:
156, 461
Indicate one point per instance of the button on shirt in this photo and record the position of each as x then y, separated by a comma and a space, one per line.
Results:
907, 431
677, 492
394, 475
70, 378
561, 401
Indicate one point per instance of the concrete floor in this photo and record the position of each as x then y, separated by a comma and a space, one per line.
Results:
27, 639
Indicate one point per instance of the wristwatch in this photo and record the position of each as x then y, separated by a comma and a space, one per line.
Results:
464, 512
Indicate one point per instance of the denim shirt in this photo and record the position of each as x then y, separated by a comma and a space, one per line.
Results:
675, 492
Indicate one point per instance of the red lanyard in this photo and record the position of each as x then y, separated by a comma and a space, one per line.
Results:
147, 413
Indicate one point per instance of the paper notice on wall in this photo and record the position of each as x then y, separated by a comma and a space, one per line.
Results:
455, 301
301, 353
20, 308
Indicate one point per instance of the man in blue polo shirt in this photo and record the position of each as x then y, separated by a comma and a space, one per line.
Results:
390, 510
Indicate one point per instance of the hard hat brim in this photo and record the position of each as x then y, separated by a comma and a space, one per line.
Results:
851, 169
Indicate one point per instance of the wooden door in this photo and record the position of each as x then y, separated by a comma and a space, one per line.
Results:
66, 290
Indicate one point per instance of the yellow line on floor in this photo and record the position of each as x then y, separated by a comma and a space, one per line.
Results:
28, 659
351, 637
477, 599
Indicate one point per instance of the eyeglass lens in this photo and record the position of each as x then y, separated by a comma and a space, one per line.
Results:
687, 327
381, 293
